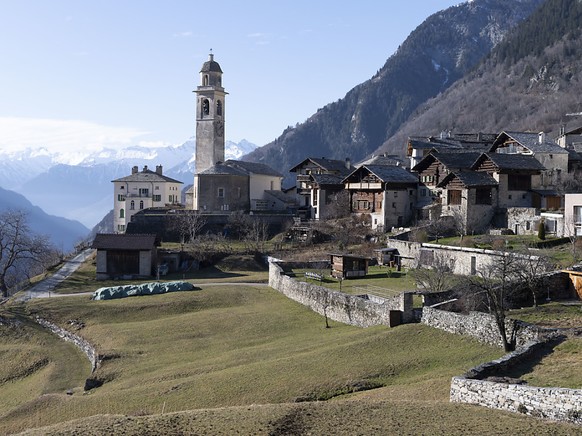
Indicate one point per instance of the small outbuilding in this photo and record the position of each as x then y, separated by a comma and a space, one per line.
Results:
345, 266
387, 256
125, 255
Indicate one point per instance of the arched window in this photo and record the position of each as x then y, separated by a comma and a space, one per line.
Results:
205, 107
141, 204
132, 205
219, 108
205, 80
121, 213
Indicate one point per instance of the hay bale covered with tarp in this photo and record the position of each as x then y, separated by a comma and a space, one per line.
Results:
112, 292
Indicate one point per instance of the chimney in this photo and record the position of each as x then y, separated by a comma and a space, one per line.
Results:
541, 137
145, 168
159, 169
348, 163
134, 170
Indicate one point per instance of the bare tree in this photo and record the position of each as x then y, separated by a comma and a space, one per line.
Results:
571, 232
497, 282
256, 235
439, 276
531, 270
439, 228
459, 223
188, 224
339, 205
238, 224
20, 250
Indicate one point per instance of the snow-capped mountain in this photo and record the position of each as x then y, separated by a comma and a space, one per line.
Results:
78, 186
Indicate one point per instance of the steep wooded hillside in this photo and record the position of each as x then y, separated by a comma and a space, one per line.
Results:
439, 52
528, 82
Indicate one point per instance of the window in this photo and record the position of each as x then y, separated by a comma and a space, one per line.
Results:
219, 108
363, 204
132, 205
422, 192
141, 205
205, 80
454, 196
395, 194
394, 205
157, 188
121, 227
120, 197
144, 192
315, 194
220, 192
483, 196
121, 213
518, 182
205, 107
157, 198
121, 187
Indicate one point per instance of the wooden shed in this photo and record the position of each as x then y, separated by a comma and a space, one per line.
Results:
388, 256
346, 266
125, 255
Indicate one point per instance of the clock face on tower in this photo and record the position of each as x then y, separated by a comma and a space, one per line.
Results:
219, 129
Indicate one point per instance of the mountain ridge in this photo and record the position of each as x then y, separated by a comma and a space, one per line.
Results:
445, 47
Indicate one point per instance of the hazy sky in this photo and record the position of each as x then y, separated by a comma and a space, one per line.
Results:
84, 73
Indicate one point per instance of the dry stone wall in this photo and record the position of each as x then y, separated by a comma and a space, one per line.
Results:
78, 341
348, 309
482, 327
553, 403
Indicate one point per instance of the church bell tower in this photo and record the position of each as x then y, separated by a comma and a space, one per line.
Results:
210, 109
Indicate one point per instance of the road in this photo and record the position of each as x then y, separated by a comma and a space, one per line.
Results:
44, 288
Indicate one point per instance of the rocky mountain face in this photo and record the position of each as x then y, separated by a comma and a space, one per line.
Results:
444, 48
529, 82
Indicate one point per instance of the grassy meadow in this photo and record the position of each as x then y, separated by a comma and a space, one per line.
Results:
235, 359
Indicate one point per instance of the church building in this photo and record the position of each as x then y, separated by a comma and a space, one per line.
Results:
222, 186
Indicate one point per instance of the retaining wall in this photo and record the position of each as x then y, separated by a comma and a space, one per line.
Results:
348, 309
552, 403
482, 326
78, 341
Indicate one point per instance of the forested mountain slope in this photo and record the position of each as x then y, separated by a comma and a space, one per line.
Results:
528, 82
441, 50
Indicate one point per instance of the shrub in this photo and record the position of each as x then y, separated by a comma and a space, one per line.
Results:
542, 230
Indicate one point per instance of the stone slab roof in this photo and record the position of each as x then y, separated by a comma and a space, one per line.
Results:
329, 165
531, 141
507, 162
390, 174
109, 241
470, 179
282, 196
452, 160
253, 168
147, 176
328, 179
224, 170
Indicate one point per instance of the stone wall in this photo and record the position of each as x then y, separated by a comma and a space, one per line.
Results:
77, 341
552, 403
482, 327
348, 309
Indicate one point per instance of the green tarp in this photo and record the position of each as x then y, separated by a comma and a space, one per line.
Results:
112, 292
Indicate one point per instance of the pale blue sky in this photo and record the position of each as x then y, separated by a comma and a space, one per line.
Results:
80, 73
